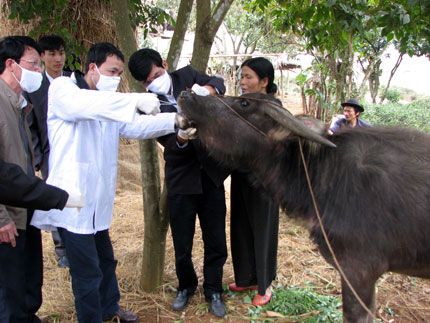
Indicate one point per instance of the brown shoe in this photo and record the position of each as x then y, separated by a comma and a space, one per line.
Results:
123, 316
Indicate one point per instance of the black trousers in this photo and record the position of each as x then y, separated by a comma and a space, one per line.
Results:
254, 225
210, 208
21, 277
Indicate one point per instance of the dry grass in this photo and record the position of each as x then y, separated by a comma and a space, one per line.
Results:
299, 264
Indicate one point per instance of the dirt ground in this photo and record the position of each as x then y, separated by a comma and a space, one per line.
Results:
400, 298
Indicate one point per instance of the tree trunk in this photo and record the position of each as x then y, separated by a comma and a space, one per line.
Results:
374, 81
206, 28
155, 210
393, 71
177, 42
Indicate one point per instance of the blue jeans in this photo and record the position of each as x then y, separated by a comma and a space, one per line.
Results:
92, 267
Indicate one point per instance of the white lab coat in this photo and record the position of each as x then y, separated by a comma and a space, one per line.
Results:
83, 129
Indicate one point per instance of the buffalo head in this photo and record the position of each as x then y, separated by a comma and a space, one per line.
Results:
235, 126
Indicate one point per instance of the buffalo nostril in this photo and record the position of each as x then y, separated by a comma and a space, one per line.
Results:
185, 94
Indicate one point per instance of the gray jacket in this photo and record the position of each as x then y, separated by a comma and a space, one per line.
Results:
12, 148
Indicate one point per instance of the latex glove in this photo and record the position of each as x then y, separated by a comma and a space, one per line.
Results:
200, 90
187, 134
75, 200
181, 121
148, 103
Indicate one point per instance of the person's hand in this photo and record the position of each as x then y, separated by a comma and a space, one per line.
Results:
148, 103
181, 121
200, 90
75, 200
8, 233
187, 134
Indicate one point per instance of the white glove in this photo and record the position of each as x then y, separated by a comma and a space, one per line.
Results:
75, 200
200, 90
187, 134
148, 103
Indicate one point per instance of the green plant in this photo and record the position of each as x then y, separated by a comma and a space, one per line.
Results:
393, 95
414, 115
290, 301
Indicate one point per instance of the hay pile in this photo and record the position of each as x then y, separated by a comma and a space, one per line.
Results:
93, 21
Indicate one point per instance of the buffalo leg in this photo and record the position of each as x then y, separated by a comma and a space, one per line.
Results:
353, 312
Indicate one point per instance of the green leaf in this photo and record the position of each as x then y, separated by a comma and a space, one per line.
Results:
390, 37
330, 3
247, 299
301, 78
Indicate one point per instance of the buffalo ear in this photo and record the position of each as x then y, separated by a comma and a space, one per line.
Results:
279, 134
314, 124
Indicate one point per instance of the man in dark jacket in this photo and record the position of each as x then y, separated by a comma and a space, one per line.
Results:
53, 55
194, 180
351, 111
28, 191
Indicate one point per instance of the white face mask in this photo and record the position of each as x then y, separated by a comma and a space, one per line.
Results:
161, 85
107, 83
30, 80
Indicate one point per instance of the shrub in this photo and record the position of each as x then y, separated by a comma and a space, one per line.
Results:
414, 115
393, 95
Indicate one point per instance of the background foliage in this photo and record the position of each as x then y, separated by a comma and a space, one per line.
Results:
414, 115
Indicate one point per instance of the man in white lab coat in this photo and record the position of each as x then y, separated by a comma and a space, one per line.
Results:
84, 126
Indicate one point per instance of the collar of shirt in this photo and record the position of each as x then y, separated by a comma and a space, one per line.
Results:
24, 102
50, 78
170, 97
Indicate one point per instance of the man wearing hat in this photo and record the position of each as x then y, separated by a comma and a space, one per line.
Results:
351, 111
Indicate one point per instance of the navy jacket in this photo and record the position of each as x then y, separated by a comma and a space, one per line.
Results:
37, 122
184, 166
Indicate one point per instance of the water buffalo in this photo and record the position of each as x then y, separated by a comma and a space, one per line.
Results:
372, 185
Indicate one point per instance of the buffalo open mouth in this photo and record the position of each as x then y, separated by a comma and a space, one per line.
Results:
185, 102
186, 105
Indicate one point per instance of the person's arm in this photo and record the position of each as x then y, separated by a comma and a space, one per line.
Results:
27, 191
336, 126
149, 126
70, 103
214, 84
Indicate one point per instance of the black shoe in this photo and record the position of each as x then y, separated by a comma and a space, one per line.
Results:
216, 305
123, 316
181, 300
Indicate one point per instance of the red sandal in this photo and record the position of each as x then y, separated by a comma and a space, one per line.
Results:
234, 288
260, 300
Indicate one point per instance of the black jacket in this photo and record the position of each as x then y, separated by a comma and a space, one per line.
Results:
184, 165
28, 191
37, 119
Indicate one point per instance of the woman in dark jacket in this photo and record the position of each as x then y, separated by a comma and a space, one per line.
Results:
254, 217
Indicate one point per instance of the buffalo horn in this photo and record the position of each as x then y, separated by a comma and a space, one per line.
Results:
286, 119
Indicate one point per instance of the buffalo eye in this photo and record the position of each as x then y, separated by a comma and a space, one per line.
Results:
244, 103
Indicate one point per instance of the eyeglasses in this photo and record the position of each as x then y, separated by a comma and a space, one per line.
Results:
36, 65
